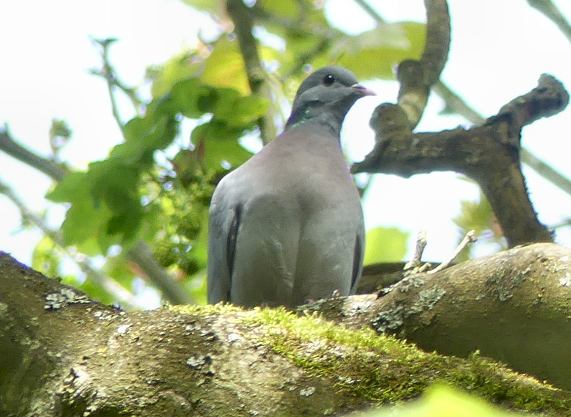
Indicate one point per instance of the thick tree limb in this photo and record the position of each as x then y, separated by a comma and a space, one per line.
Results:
488, 153
416, 77
63, 355
458, 105
513, 306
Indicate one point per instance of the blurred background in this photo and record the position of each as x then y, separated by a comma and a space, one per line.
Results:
138, 108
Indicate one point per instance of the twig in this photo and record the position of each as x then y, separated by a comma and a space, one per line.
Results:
17, 151
455, 103
469, 238
116, 290
371, 12
418, 251
107, 72
550, 10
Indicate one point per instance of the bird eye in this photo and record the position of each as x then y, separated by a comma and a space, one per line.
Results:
328, 80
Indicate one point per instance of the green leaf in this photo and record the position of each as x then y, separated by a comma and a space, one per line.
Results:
385, 244
117, 267
218, 142
376, 52
248, 110
284, 9
237, 111
83, 220
307, 14
475, 215
206, 5
193, 99
144, 136
181, 67
200, 245
59, 128
66, 190
225, 67
45, 257
442, 401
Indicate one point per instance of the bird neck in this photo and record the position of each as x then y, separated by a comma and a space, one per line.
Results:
319, 116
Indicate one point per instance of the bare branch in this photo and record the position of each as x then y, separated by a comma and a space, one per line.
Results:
468, 239
458, 105
416, 77
17, 151
488, 153
108, 73
454, 102
550, 10
418, 251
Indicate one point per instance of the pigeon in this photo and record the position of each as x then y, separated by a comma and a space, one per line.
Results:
286, 227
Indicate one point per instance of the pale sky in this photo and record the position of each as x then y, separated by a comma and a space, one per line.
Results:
499, 49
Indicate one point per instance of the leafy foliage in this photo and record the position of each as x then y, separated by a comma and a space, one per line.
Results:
156, 185
385, 244
394, 42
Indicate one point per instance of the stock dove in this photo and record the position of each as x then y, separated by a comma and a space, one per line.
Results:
286, 227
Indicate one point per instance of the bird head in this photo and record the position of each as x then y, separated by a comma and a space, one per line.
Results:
329, 91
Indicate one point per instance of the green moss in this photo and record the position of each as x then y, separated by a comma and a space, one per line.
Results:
206, 309
382, 369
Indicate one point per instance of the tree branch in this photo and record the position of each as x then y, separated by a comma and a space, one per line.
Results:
488, 153
243, 27
498, 171
65, 357
17, 151
108, 73
416, 77
550, 10
458, 105
455, 103
512, 306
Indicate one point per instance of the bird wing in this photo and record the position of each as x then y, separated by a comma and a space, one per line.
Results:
358, 256
223, 226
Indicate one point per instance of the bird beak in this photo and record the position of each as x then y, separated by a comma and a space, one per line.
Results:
362, 90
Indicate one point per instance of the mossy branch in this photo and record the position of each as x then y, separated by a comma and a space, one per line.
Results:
62, 351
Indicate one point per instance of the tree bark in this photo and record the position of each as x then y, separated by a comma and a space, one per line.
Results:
62, 354
514, 306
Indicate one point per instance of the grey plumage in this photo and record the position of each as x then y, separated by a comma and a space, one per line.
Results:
287, 225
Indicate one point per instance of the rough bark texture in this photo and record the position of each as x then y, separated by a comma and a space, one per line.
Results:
490, 154
64, 355
514, 306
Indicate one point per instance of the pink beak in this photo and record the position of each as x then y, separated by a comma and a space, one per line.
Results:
363, 90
